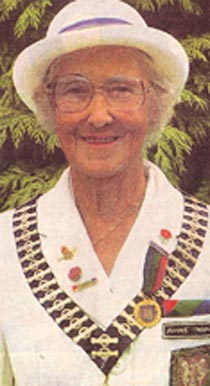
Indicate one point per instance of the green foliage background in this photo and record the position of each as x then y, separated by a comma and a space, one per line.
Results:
30, 159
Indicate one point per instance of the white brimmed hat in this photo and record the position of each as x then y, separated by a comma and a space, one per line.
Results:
89, 23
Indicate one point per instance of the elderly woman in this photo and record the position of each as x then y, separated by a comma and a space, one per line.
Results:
105, 278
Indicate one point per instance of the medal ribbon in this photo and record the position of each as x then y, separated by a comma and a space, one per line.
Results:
154, 269
182, 308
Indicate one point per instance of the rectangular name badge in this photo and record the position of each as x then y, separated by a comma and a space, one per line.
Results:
186, 330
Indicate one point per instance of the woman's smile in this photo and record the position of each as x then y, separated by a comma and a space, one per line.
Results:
99, 140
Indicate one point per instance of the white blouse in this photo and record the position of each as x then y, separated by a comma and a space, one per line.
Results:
35, 351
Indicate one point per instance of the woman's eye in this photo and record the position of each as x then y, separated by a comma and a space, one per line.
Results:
120, 90
75, 90
72, 89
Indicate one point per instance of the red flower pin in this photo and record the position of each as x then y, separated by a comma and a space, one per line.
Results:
165, 235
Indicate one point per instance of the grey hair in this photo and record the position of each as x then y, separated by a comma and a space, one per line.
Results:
163, 97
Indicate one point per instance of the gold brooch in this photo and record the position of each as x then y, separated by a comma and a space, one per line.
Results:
148, 313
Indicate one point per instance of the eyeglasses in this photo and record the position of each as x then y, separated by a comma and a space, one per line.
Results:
74, 93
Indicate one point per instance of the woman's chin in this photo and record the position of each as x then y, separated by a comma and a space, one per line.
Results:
99, 171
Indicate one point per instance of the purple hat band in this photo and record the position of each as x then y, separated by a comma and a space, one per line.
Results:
90, 23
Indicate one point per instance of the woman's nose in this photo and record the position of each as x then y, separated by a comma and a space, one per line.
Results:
98, 111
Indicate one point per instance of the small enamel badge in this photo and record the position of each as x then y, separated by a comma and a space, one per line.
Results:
84, 285
165, 235
148, 313
67, 254
75, 273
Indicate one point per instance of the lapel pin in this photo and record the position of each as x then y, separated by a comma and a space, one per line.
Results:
84, 285
165, 235
67, 254
75, 273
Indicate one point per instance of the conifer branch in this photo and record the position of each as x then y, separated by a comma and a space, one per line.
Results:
31, 17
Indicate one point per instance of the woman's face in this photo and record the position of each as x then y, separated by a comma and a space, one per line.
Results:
101, 140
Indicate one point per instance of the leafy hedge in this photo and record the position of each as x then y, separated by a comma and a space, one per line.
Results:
30, 160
